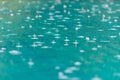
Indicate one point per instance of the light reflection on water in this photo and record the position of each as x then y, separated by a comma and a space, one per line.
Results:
65, 40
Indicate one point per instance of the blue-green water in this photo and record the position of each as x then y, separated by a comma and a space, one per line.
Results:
59, 40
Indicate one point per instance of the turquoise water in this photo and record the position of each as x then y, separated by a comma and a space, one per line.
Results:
59, 40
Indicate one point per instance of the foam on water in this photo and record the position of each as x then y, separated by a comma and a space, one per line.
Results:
14, 52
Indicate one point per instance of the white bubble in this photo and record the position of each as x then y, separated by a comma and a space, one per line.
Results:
71, 69
94, 49
61, 75
15, 52
117, 56
87, 38
96, 78
82, 51
30, 63
11, 14
77, 63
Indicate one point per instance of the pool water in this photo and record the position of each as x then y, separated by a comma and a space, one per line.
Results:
59, 40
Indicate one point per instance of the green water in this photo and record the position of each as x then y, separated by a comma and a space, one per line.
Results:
59, 40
